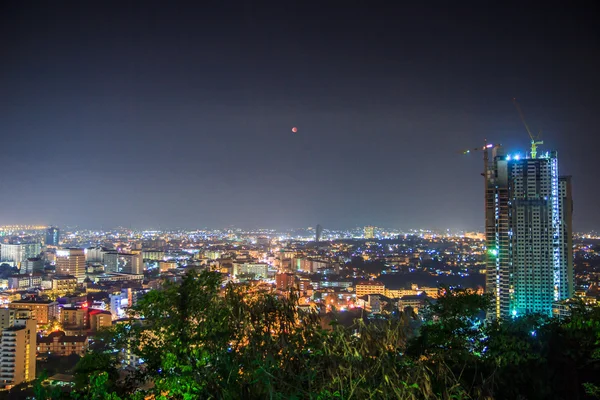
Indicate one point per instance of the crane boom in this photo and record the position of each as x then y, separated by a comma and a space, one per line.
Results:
523, 118
534, 142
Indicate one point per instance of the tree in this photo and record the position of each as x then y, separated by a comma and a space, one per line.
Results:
93, 363
454, 328
200, 340
454, 338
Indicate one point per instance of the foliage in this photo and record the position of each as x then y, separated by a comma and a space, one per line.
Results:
199, 340
57, 364
6, 270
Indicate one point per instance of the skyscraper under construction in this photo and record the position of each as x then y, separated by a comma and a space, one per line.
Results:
528, 223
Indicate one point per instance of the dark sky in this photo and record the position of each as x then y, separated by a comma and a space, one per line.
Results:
167, 114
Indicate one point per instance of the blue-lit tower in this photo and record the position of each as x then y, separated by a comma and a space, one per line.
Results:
52, 236
528, 211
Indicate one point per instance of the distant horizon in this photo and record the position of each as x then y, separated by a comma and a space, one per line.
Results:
227, 227
247, 230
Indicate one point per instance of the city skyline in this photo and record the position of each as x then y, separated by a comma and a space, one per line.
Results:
17, 228
163, 117
295, 199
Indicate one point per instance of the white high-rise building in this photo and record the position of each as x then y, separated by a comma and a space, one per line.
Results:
128, 263
95, 254
259, 270
528, 234
18, 253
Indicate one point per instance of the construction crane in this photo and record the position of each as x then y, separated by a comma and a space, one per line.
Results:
534, 141
485, 148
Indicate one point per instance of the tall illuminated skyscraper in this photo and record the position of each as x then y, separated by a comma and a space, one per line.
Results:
52, 236
528, 212
369, 232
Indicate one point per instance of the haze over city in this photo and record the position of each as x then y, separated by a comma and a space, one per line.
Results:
166, 116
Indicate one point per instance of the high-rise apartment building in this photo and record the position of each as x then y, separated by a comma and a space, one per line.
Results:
7, 318
32, 265
52, 236
369, 232
17, 353
318, 233
528, 222
285, 281
16, 254
95, 254
71, 262
128, 263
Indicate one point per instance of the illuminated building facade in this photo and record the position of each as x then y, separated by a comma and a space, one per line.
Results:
52, 236
369, 232
95, 254
41, 310
65, 283
16, 254
164, 266
528, 214
157, 255
24, 281
100, 319
17, 353
258, 270
74, 318
58, 343
285, 281
369, 287
71, 262
7, 318
127, 263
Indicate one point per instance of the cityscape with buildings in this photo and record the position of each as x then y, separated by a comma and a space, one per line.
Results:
61, 285
269, 200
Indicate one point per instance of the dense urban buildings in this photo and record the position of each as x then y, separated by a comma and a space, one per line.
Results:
528, 222
17, 253
345, 272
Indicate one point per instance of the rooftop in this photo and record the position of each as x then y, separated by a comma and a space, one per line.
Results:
62, 336
28, 301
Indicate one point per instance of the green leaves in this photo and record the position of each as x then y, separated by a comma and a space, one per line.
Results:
201, 341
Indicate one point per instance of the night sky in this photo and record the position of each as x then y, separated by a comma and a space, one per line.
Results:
167, 114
